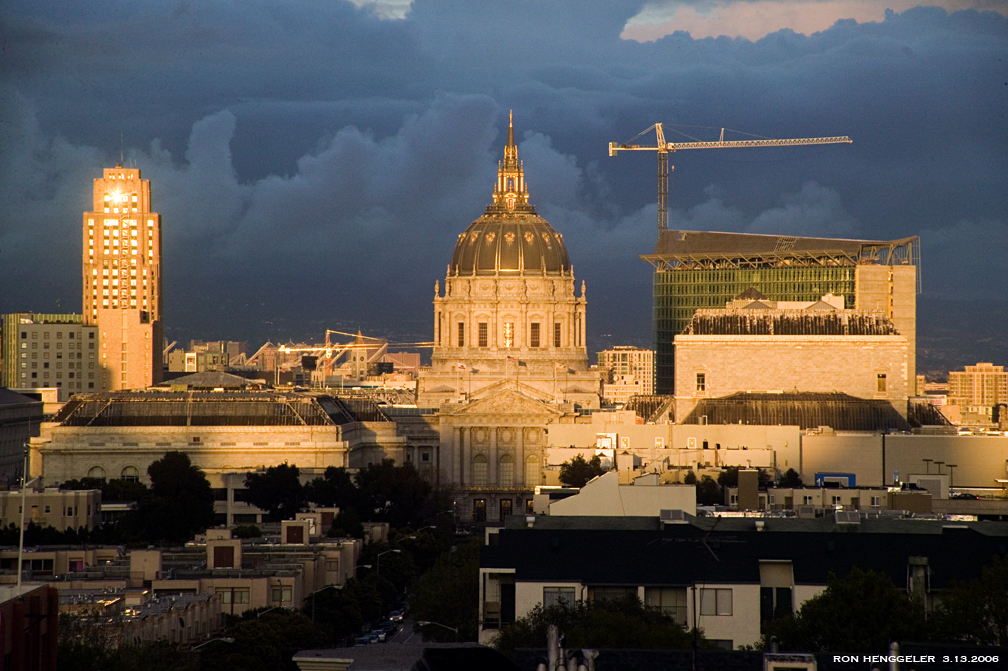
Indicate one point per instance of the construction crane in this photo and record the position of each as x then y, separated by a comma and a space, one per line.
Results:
665, 148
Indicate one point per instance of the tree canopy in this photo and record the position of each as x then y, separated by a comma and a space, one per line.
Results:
449, 593
861, 611
181, 500
621, 623
278, 491
577, 472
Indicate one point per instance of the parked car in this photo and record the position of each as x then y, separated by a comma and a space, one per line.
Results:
377, 635
965, 495
395, 616
362, 640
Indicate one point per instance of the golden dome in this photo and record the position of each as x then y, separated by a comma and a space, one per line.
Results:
510, 238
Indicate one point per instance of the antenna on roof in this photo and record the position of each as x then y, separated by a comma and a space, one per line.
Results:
122, 148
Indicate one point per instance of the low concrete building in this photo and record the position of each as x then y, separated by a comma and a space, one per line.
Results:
605, 496
52, 507
20, 419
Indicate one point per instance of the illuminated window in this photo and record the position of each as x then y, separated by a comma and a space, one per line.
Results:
534, 335
881, 382
482, 334
508, 334
701, 382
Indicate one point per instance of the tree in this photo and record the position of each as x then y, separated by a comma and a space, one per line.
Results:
394, 494
181, 500
689, 478
621, 623
861, 611
976, 612
449, 593
577, 472
278, 491
335, 488
264, 641
708, 492
791, 478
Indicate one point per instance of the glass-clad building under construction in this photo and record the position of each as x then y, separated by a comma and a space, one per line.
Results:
697, 269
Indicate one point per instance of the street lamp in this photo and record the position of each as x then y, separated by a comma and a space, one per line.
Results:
421, 623
263, 612
312, 595
24, 493
226, 639
378, 568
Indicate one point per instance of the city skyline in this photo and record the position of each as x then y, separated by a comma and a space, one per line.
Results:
280, 183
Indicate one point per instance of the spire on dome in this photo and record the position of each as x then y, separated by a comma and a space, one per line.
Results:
511, 192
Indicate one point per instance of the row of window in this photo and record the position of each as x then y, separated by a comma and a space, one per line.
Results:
701, 382
129, 474
505, 471
508, 334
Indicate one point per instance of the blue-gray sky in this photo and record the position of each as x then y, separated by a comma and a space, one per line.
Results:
314, 161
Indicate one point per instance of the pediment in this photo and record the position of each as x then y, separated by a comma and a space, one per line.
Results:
506, 401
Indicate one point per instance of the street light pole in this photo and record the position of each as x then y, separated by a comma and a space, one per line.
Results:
312, 595
24, 492
378, 562
421, 623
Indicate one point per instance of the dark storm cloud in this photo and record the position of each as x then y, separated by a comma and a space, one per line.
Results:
314, 163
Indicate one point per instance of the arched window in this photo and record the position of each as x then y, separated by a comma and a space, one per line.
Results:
532, 472
96, 472
505, 471
479, 470
131, 474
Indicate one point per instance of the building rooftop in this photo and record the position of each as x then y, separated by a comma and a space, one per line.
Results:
766, 321
806, 410
215, 408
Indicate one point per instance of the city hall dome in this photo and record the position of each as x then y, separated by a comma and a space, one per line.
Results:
510, 238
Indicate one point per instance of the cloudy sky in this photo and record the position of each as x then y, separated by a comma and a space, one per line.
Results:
314, 160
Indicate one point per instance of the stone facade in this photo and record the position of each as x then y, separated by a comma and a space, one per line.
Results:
710, 366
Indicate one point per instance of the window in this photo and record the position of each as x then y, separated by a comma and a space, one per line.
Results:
479, 510
506, 509
48, 509
461, 334
556, 334
282, 595
715, 602
479, 470
552, 596
508, 334
532, 473
483, 334
534, 335
701, 382
836, 500
332, 565
806, 500
131, 474
671, 600
881, 382
96, 472
505, 471
876, 501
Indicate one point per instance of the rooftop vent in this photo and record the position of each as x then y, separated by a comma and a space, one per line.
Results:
672, 517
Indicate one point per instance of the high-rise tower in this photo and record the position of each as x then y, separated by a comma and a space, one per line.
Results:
122, 280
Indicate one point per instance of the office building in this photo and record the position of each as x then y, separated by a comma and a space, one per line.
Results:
626, 371
122, 280
696, 270
50, 351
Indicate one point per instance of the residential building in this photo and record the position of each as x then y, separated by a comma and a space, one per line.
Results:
701, 270
30, 620
605, 496
727, 576
50, 351
977, 389
122, 280
509, 309
52, 507
626, 371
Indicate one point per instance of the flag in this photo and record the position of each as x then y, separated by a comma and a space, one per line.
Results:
511, 359
462, 366
523, 364
560, 366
